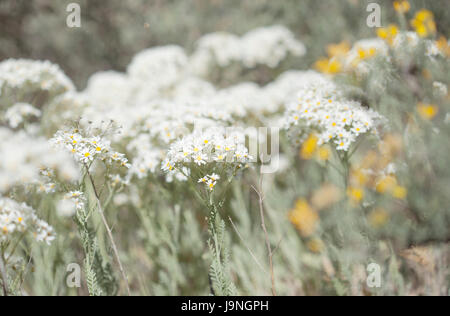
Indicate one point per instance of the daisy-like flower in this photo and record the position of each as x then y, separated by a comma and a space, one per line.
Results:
203, 150
85, 146
17, 219
210, 181
86, 155
332, 119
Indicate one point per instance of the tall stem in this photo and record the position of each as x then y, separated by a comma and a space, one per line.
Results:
3, 274
266, 234
109, 232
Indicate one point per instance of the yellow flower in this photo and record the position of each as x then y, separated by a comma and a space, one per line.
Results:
315, 245
423, 23
366, 53
391, 145
402, 6
443, 45
309, 147
427, 111
324, 153
358, 177
304, 218
388, 33
328, 66
386, 184
325, 196
378, 217
355, 194
399, 192
338, 50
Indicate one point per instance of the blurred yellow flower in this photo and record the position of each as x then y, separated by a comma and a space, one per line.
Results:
399, 192
388, 33
328, 66
386, 184
324, 153
338, 50
423, 23
402, 6
378, 217
366, 53
427, 111
315, 245
443, 45
304, 218
325, 196
391, 145
309, 147
358, 177
355, 194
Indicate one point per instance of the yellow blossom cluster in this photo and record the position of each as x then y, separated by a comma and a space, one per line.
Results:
305, 215
388, 33
402, 6
423, 23
427, 111
375, 172
311, 149
333, 64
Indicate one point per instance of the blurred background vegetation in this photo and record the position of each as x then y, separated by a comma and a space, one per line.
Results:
114, 31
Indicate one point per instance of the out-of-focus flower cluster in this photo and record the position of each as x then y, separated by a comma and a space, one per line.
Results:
23, 156
262, 46
21, 76
86, 146
320, 110
18, 218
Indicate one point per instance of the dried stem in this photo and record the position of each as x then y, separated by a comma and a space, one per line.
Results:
108, 230
248, 249
3, 274
266, 234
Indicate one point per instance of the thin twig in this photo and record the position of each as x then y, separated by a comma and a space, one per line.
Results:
249, 250
266, 234
4, 276
108, 230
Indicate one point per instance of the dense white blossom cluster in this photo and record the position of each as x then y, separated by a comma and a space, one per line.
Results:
86, 146
159, 67
320, 110
17, 219
18, 74
408, 42
262, 46
19, 112
206, 148
23, 156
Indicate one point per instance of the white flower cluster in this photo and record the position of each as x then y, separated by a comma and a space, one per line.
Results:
160, 99
33, 75
17, 219
87, 147
362, 51
23, 156
71, 203
262, 46
159, 67
210, 181
332, 118
407, 42
19, 112
205, 147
